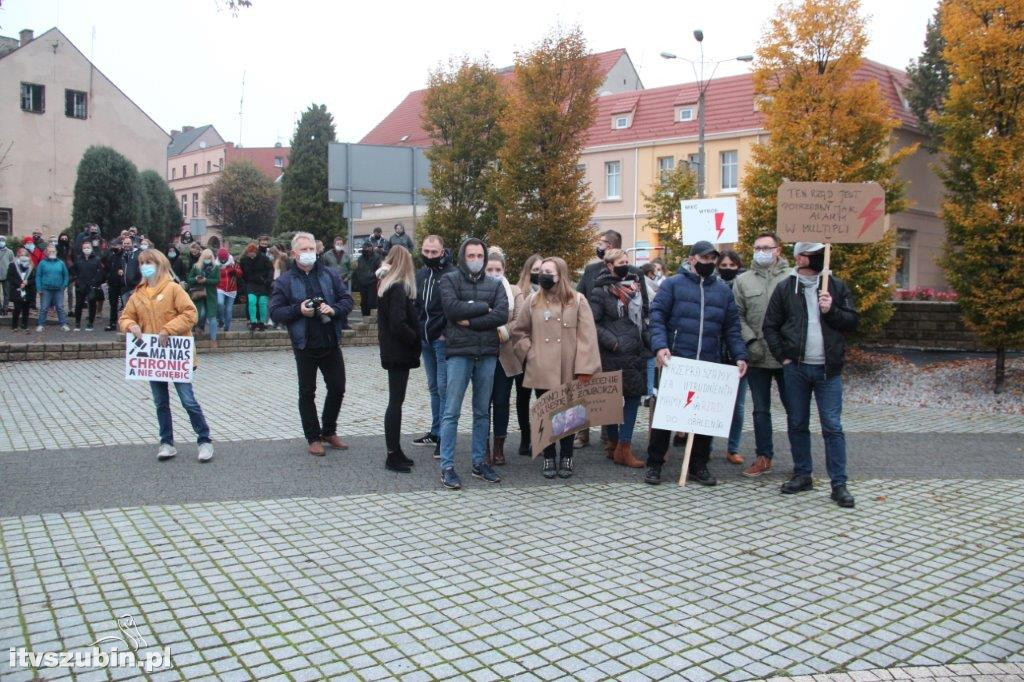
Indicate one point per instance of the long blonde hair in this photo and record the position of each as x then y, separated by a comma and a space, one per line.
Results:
562, 291
400, 271
524, 284
156, 257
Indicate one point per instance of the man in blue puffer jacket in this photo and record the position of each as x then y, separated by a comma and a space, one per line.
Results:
692, 313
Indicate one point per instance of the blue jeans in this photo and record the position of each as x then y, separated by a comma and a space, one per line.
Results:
802, 380
161, 398
55, 298
623, 433
435, 365
205, 321
736, 430
760, 381
461, 371
650, 376
225, 307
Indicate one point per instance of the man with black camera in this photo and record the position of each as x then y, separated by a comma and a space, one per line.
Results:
312, 301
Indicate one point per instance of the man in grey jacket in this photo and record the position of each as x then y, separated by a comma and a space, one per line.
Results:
752, 290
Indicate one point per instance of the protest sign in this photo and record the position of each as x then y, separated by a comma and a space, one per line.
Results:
575, 406
146, 360
831, 212
712, 220
696, 397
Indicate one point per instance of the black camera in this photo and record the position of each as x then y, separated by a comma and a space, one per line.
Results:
315, 302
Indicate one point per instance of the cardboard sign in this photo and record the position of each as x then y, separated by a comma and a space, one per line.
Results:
146, 360
831, 212
575, 406
710, 220
696, 397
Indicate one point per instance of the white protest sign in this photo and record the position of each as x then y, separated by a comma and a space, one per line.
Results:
711, 220
696, 397
146, 360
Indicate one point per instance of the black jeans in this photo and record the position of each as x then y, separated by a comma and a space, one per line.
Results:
114, 301
657, 446
564, 444
332, 366
367, 298
398, 380
20, 310
85, 298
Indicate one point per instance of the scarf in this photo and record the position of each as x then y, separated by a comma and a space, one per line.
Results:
626, 292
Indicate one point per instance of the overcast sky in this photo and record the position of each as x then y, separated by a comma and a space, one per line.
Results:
182, 61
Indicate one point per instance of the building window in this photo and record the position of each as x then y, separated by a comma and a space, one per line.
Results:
621, 122
195, 204
33, 98
195, 169
904, 239
666, 164
613, 179
6, 221
174, 173
684, 114
183, 170
74, 104
730, 170
184, 205
694, 161
209, 164
279, 162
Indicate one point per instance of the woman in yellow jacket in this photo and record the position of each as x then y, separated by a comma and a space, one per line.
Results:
160, 306
555, 337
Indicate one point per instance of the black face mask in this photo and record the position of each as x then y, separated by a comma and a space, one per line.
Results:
534, 278
433, 262
704, 269
816, 261
263, 249
546, 281
727, 274
600, 253
621, 271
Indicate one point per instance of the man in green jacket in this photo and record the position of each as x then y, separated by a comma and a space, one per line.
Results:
338, 260
752, 290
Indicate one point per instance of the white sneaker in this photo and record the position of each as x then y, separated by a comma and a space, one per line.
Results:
65, 328
166, 451
205, 452
39, 328
78, 329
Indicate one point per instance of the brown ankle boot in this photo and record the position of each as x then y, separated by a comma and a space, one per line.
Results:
498, 452
624, 456
609, 449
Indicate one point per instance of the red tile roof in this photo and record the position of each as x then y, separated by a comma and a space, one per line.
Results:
405, 120
730, 107
262, 157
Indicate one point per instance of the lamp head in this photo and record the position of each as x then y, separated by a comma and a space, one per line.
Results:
745, 58
699, 35
667, 55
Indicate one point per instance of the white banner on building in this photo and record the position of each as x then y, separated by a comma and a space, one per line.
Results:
696, 397
146, 360
711, 220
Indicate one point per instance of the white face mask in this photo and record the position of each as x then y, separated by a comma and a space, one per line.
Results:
475, 266
307, 258
87, 252
763, 258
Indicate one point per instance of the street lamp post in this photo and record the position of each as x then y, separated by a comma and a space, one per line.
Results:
702, 88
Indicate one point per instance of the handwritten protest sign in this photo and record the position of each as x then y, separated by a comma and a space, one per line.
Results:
575, 406
712, 220
146, 360
831, 212
696, 397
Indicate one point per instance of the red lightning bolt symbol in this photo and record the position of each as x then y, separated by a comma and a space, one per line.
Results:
689, 398
870, 214
718, 224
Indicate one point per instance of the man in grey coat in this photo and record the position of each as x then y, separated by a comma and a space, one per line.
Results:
752, 290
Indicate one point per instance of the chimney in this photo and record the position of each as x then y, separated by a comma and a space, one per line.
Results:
26, 35
175, 133
185, 129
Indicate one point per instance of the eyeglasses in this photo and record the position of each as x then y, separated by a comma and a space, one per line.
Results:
765, 249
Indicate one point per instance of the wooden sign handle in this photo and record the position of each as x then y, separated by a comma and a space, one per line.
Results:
686, 459
825, 270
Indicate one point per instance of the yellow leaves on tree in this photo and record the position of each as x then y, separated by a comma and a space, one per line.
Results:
982, 128
824, 124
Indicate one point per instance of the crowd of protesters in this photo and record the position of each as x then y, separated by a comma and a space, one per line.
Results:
460, 319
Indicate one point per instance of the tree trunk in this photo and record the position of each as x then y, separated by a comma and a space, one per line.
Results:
1000, 370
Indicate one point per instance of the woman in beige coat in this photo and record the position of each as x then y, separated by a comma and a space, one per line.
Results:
555, 337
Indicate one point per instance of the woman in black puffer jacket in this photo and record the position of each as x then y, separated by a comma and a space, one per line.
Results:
621, 318
399, 337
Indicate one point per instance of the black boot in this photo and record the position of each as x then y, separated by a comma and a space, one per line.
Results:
565, 466
653, 476
842, 497
403, 458
524, 445
702, 476
797, 484
395, 463
549, 471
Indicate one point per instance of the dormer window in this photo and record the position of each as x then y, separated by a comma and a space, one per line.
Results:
684, 114
620, 122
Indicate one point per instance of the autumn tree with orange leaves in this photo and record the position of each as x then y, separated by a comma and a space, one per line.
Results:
544, 203
982, 133
824, 126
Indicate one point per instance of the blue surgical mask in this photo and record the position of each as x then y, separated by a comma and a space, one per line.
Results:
496, 278
763, 258
307, 258
475, 266
147, 270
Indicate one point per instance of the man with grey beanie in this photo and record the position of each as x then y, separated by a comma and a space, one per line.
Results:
805, 328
